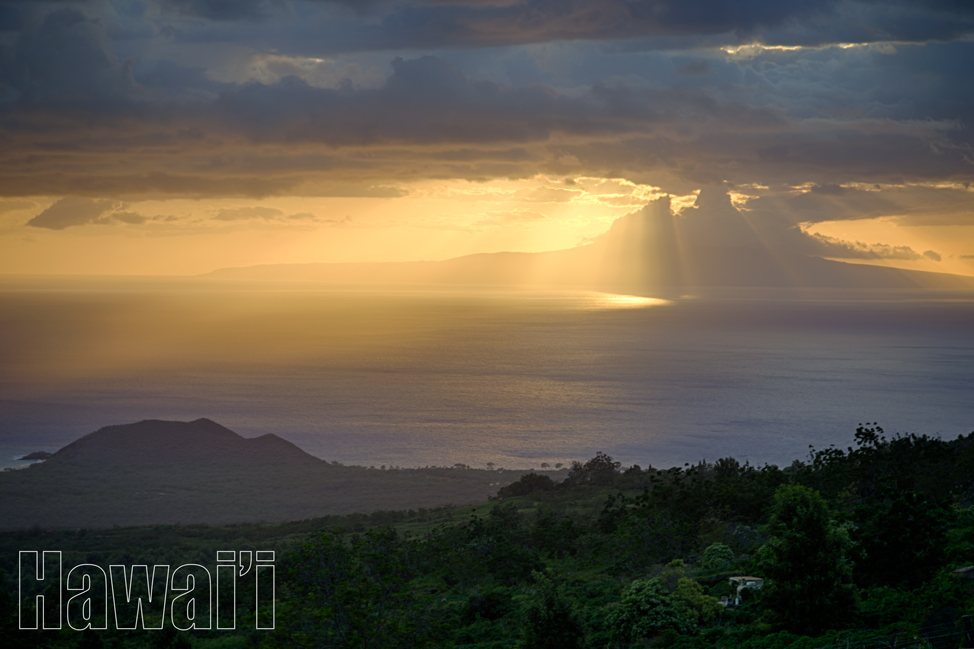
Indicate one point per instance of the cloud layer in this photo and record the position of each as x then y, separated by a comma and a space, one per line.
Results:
840, 110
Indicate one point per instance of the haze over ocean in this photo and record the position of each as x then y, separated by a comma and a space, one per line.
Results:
418, 377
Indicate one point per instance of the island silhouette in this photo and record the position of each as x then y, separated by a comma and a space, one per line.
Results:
167, 472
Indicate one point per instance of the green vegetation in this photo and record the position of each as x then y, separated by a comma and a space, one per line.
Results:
166, 472
80, 496
806, 564
550, 622
856, 547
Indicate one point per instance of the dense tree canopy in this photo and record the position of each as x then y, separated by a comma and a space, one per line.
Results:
809, 578
853, 545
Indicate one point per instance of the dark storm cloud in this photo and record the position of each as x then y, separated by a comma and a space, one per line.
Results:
911, 206
65, 58
341, 25
335, 26
541, 20
875, 21
72, 211
824, 246
161, 99
433, 103
694, 69
263, 139
223, 10
175, 82
552, 18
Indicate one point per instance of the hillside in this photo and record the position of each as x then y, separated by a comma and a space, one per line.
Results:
155, 442
159, 472
856, 549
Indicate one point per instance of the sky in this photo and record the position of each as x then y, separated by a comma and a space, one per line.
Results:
174, 137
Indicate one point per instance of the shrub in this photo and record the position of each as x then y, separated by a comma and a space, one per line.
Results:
529, 483
716, 556
645, 611
550, 622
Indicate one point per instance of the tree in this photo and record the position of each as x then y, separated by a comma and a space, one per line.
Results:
168, 638
529, 483
13, 637
808, 584
353, 592
692, 604
687, 596
645, 611
900, 543
550, 622
555, 535
600, 470
716, 556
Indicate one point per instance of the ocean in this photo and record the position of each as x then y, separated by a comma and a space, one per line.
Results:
425, 376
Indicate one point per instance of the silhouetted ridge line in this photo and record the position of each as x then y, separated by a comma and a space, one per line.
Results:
154, 441
168, 472
642, 252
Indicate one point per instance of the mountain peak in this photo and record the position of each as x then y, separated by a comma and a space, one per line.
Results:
157, 442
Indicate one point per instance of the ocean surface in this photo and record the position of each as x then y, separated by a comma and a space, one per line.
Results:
436, 377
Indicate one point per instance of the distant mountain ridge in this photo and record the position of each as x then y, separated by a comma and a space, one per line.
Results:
163, 472
710, 267
649, 251
202, 441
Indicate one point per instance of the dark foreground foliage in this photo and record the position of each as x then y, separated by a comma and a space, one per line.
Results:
857, 548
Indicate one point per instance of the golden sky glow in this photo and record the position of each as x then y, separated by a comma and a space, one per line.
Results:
179, 137
433, 220
951, 243
430, 220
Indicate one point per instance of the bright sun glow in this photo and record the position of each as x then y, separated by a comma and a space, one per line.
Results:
425, 220
611, 301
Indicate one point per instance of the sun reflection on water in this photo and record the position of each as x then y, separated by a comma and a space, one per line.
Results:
612, 301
